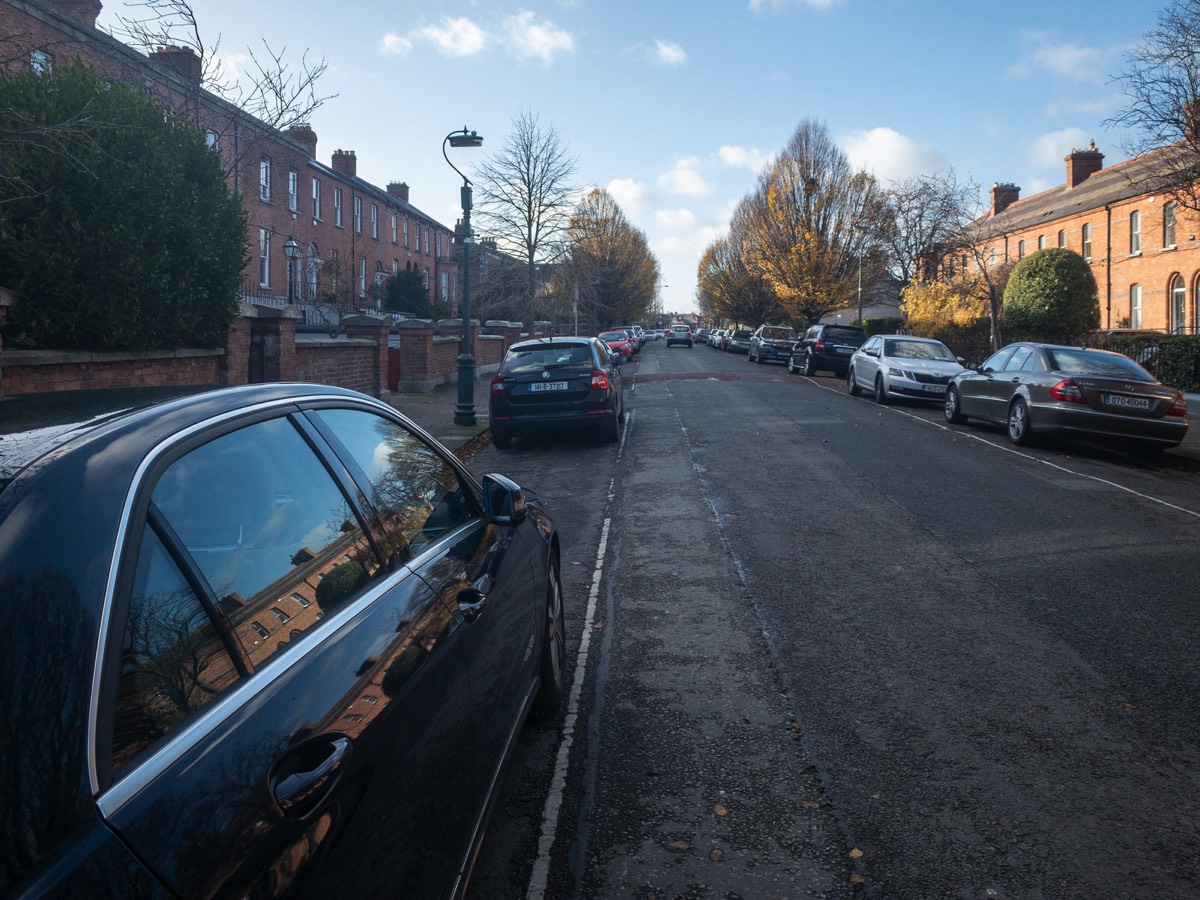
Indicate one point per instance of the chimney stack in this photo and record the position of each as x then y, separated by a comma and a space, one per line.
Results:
182, 62
1083, 163
345, 163
398, 189
86, 11
303, 134
1003, 195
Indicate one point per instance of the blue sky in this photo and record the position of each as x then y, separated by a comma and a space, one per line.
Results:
675, 106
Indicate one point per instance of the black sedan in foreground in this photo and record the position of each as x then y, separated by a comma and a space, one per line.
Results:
556, 384
260, 641
1038, 389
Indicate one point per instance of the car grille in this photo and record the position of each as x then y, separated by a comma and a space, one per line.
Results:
928, 378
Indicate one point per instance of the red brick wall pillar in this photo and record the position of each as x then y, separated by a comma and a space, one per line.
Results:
236, 366
372, 328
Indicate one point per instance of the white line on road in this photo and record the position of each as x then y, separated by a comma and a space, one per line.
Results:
541, 867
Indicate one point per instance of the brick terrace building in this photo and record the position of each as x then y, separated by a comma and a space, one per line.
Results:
1142, 246
328, 209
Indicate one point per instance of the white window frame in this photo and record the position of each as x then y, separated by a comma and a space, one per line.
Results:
1169, 223
337, 207
316, 198
264, 179
264, 257
375, 221
1087, 242
1135, 232
357, 215
1135, 306
293, 190
393, 228
40, 62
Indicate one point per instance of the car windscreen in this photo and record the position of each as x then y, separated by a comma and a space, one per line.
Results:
741, 334
848, 335
903, 349
1083, 362
779, 334
551, 356
614, 336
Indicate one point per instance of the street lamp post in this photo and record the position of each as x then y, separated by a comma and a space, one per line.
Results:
860, 290
291, 249
464, 412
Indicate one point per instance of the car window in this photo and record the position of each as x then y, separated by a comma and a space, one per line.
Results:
550, 356
272, 544
842, 333
779, 334
1081, 362
997, 361
904, 349
1021, 360
416, 491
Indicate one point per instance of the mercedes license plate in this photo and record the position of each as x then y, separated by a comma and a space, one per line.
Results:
1128, 402
548, 386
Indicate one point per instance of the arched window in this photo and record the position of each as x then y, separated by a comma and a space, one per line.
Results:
1178, 305
1041, 242
1062, 238
1020, 249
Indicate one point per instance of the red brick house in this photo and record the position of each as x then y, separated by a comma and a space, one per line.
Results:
1141, 244
288, 194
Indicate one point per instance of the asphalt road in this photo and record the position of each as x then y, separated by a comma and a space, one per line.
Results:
836, 649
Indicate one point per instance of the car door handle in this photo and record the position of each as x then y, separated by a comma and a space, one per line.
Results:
471, 603
302, 779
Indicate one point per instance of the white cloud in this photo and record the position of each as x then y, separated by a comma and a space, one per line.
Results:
1050, 149
669, 53
393, 44
744, 158
759, 6
891, 156
685, 178
528, 37
455, 37
630, 195
1069, 61
676, 218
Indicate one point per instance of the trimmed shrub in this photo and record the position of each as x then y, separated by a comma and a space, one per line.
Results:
1051, 296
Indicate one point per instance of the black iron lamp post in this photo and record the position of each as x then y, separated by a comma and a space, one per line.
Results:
464, 412
291, 249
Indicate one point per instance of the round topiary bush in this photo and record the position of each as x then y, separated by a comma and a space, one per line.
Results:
1052, 296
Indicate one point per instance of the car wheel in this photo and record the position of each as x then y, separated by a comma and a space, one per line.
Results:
554, 647
953, 408
809, 369
881, 395
501, 438
610, 431
852, 383
1019, 431
758, 359
792, 370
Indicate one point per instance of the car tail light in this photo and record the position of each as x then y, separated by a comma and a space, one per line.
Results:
600, 380
1067, 392
497, 384
819, 346
1179, 407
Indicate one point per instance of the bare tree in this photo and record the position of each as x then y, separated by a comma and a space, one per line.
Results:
272, 91
921, 215
1162, 118
526, 196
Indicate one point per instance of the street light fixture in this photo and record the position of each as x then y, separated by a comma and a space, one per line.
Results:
464, 412
291, 249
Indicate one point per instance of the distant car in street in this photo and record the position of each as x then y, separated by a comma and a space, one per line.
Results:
1044, 389
825, 348
679, 334
635, 335
900, 365
273, 640
556, 384
737, 341
771, 343
620, 343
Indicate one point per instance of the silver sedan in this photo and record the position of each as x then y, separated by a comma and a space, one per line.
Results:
900, 365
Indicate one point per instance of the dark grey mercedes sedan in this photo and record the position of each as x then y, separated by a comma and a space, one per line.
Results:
260, 641
1042, 389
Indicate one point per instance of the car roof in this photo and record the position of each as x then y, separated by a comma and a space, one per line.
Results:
534, 343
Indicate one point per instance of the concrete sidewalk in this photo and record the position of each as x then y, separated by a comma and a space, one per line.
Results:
435, 412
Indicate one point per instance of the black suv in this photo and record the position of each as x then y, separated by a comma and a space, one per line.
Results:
825, 348
771, 342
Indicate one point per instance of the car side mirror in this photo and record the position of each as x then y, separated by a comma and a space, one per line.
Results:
503, 500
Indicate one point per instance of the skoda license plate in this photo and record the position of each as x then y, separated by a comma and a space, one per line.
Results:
548, 386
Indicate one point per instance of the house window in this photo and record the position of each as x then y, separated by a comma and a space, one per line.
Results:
211, 140
358, 214
362, 276
445, 287
264, 179
1020, 249
260, 630
283, 617
337, 207
1169, 225
313, 268
1135, 232
264, 258
992, 258
406, 232
40, 62
316, 199
293, 190
1178, 305
393, 228
1041, 242
1135, 306
426, 241
302, 601
1087, 242
374, 221
1062, 238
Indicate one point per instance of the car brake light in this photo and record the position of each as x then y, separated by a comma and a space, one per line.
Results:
1067, 392
497, 384
819, 346
1179, 407
599, 380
